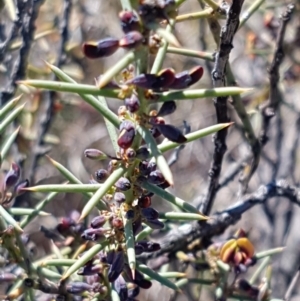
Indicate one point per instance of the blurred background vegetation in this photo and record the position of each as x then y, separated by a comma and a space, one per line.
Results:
70, 125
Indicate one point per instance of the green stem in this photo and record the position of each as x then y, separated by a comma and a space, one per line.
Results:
250, 11
194, 16
191, 53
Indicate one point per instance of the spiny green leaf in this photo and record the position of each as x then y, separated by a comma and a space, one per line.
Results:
200, 93
26, 211
112, 179
10, 118
168, 145
130, 246
91, 100
9, 106
116, 69
171, 198
270, 252
40, 206
153, 275
8, 143
88, 255
58, 262
144, 233
156, 153
182, 216
72, 188
70, 87
10, 220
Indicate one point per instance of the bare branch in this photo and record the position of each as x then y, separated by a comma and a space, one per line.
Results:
218, 77
46, 109
179, 238
27, 13
269, 110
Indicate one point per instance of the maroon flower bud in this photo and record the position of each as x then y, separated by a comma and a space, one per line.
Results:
98, 221
154, 224
137, 226
102, 48
65, 226
182, 80
116, 266
130, 214
94, 154
142, 153
143, 168
138, 249
127, 134
164, 185
112, 165
94, 234
132, 39
144, 201
101, 175
167, 108
129, 21
171, 132
165, 78
89, 270
150, 13
117, 223
152, 166
110, 256
52, 234
119, 197
12, 177
141, 281
195, 73
123, 184
156, 177
145, 81
150, 213
132, 104
18, 189
78, 287
130, 154
155, 132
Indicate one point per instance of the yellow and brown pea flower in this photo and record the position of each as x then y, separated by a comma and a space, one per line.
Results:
237, 250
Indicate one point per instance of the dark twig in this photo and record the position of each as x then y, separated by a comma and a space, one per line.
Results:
269, 110
218, 77
179, 238
12, 34
46, 109
231, 173
27, 13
